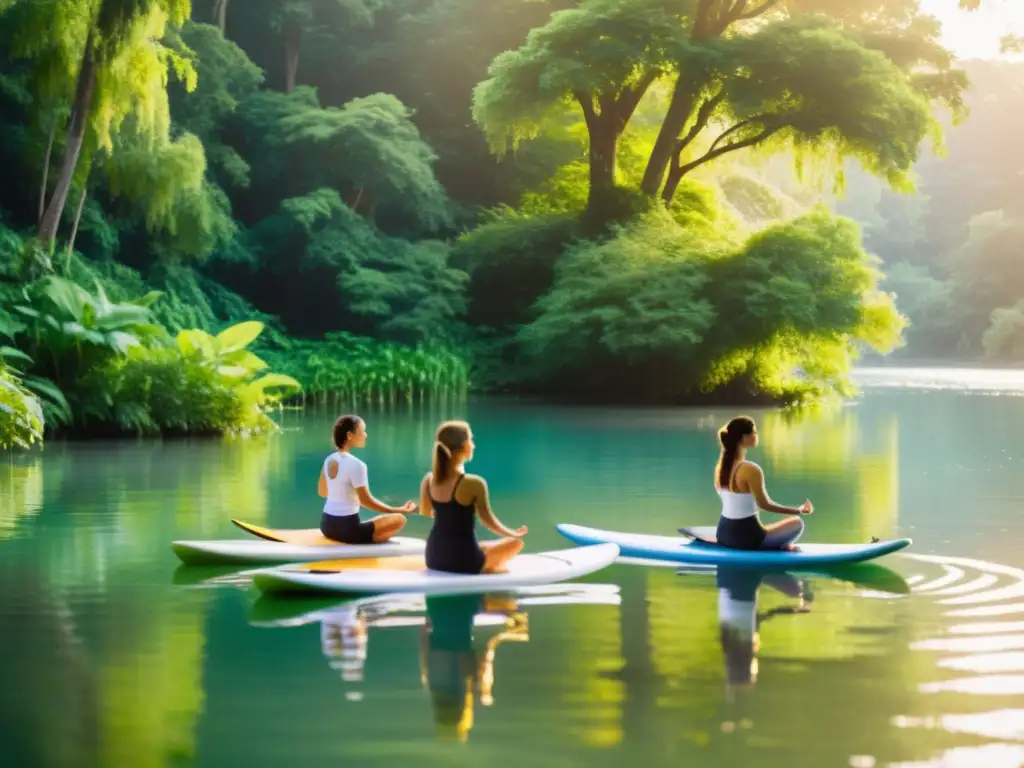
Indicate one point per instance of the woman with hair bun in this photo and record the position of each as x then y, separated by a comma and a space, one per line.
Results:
345, 487
740, 484
455, 499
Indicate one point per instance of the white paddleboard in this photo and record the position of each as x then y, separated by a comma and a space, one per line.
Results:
410, 574
283, 545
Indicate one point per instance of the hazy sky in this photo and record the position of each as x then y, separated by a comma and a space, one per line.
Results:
976, 34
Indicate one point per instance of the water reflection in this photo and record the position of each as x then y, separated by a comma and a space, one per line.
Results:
739, 621
453, 669
458, 642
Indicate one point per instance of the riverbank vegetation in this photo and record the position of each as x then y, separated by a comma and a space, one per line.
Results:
409, 198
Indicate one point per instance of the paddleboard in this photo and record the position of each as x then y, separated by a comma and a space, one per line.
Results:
687, 549
410, 574
286, 545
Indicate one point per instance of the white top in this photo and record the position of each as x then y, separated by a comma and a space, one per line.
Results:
342, 498
736, 505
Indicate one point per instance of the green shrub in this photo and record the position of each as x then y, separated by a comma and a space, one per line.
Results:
203, 385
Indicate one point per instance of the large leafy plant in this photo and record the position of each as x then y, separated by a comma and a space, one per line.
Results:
69, 331
200, 384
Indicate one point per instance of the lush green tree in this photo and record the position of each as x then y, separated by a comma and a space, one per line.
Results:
113, 52
988, 272
895, 29
663, 312
786, 82
1003, 340
296, 19
600, 58
377, 161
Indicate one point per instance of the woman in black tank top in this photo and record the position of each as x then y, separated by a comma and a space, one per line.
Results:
452, 544
455, 499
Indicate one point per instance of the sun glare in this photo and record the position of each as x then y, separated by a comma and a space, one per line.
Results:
976, 35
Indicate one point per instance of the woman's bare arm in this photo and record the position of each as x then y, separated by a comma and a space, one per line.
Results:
482, 502
754, 480
322, 485
367, 500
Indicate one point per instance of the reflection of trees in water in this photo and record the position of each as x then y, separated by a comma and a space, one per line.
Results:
49, 700
857, 458
118, 688
148, 654
117, 505
21, 490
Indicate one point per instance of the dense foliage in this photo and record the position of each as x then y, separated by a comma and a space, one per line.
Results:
547, 196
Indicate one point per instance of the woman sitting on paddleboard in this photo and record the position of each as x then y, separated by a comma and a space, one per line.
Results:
740, 484
455, 499
344, 485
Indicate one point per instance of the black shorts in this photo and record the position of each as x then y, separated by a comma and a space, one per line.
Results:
454, 554
745, 533
348, 529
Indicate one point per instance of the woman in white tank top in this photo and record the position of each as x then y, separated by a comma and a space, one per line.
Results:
740, 484
344, 485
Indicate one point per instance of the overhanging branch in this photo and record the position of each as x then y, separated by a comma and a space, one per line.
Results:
700, 123
717, 151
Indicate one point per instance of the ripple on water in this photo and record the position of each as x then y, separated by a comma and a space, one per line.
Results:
992, 650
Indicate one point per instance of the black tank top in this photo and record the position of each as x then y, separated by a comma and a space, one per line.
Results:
452, 519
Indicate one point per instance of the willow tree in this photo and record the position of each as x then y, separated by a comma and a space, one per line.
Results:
112, 51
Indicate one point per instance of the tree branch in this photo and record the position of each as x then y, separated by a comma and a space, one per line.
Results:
738, 126
631, 95
713, 153
736, 10
753, 13
701, 122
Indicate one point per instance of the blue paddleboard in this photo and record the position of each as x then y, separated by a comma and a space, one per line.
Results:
699, 547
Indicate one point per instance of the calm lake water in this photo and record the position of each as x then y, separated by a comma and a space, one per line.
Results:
112, 654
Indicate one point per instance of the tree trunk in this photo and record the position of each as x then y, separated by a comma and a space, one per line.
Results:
603, 145
678, 113
46, 169
220, 13
675, 175
74, 229
292, 48
47, 230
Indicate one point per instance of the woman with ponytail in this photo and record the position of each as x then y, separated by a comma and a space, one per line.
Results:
455, 499
740, 484
345, 487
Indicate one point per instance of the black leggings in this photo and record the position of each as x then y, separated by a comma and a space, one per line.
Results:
348, 529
